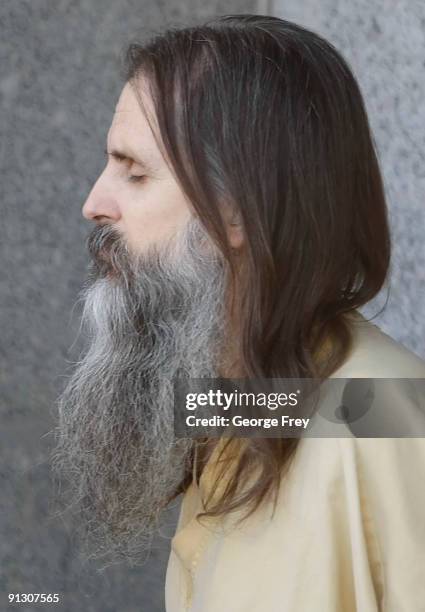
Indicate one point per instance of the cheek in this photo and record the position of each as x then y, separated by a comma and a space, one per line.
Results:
154, 214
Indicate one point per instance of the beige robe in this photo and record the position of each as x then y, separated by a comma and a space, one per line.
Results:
348, 533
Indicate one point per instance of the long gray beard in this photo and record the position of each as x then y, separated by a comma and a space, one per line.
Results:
155, 318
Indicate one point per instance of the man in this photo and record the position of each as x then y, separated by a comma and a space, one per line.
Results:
153, 306
240, 222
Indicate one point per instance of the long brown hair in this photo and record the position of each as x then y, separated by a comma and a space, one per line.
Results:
267, 115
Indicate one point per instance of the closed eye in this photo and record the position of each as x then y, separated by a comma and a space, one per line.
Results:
133, 178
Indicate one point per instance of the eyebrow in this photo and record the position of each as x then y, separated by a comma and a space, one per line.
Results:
121, 156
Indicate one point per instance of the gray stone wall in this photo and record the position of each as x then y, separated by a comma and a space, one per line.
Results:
59, 85
384, 42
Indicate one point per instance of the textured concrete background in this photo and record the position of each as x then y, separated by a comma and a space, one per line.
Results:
59, 85
384, 42
58, 89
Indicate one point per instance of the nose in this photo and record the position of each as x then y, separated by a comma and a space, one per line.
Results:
101, 207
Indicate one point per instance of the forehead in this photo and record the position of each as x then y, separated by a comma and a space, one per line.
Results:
130, 130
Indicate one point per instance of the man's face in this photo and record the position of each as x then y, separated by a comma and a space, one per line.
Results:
154, 310
150, 207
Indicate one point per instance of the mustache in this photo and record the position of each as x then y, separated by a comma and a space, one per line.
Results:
108, 252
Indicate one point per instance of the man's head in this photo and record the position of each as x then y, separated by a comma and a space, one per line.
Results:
137, 192
257, 220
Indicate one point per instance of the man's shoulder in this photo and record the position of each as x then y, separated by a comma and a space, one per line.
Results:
375, 354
